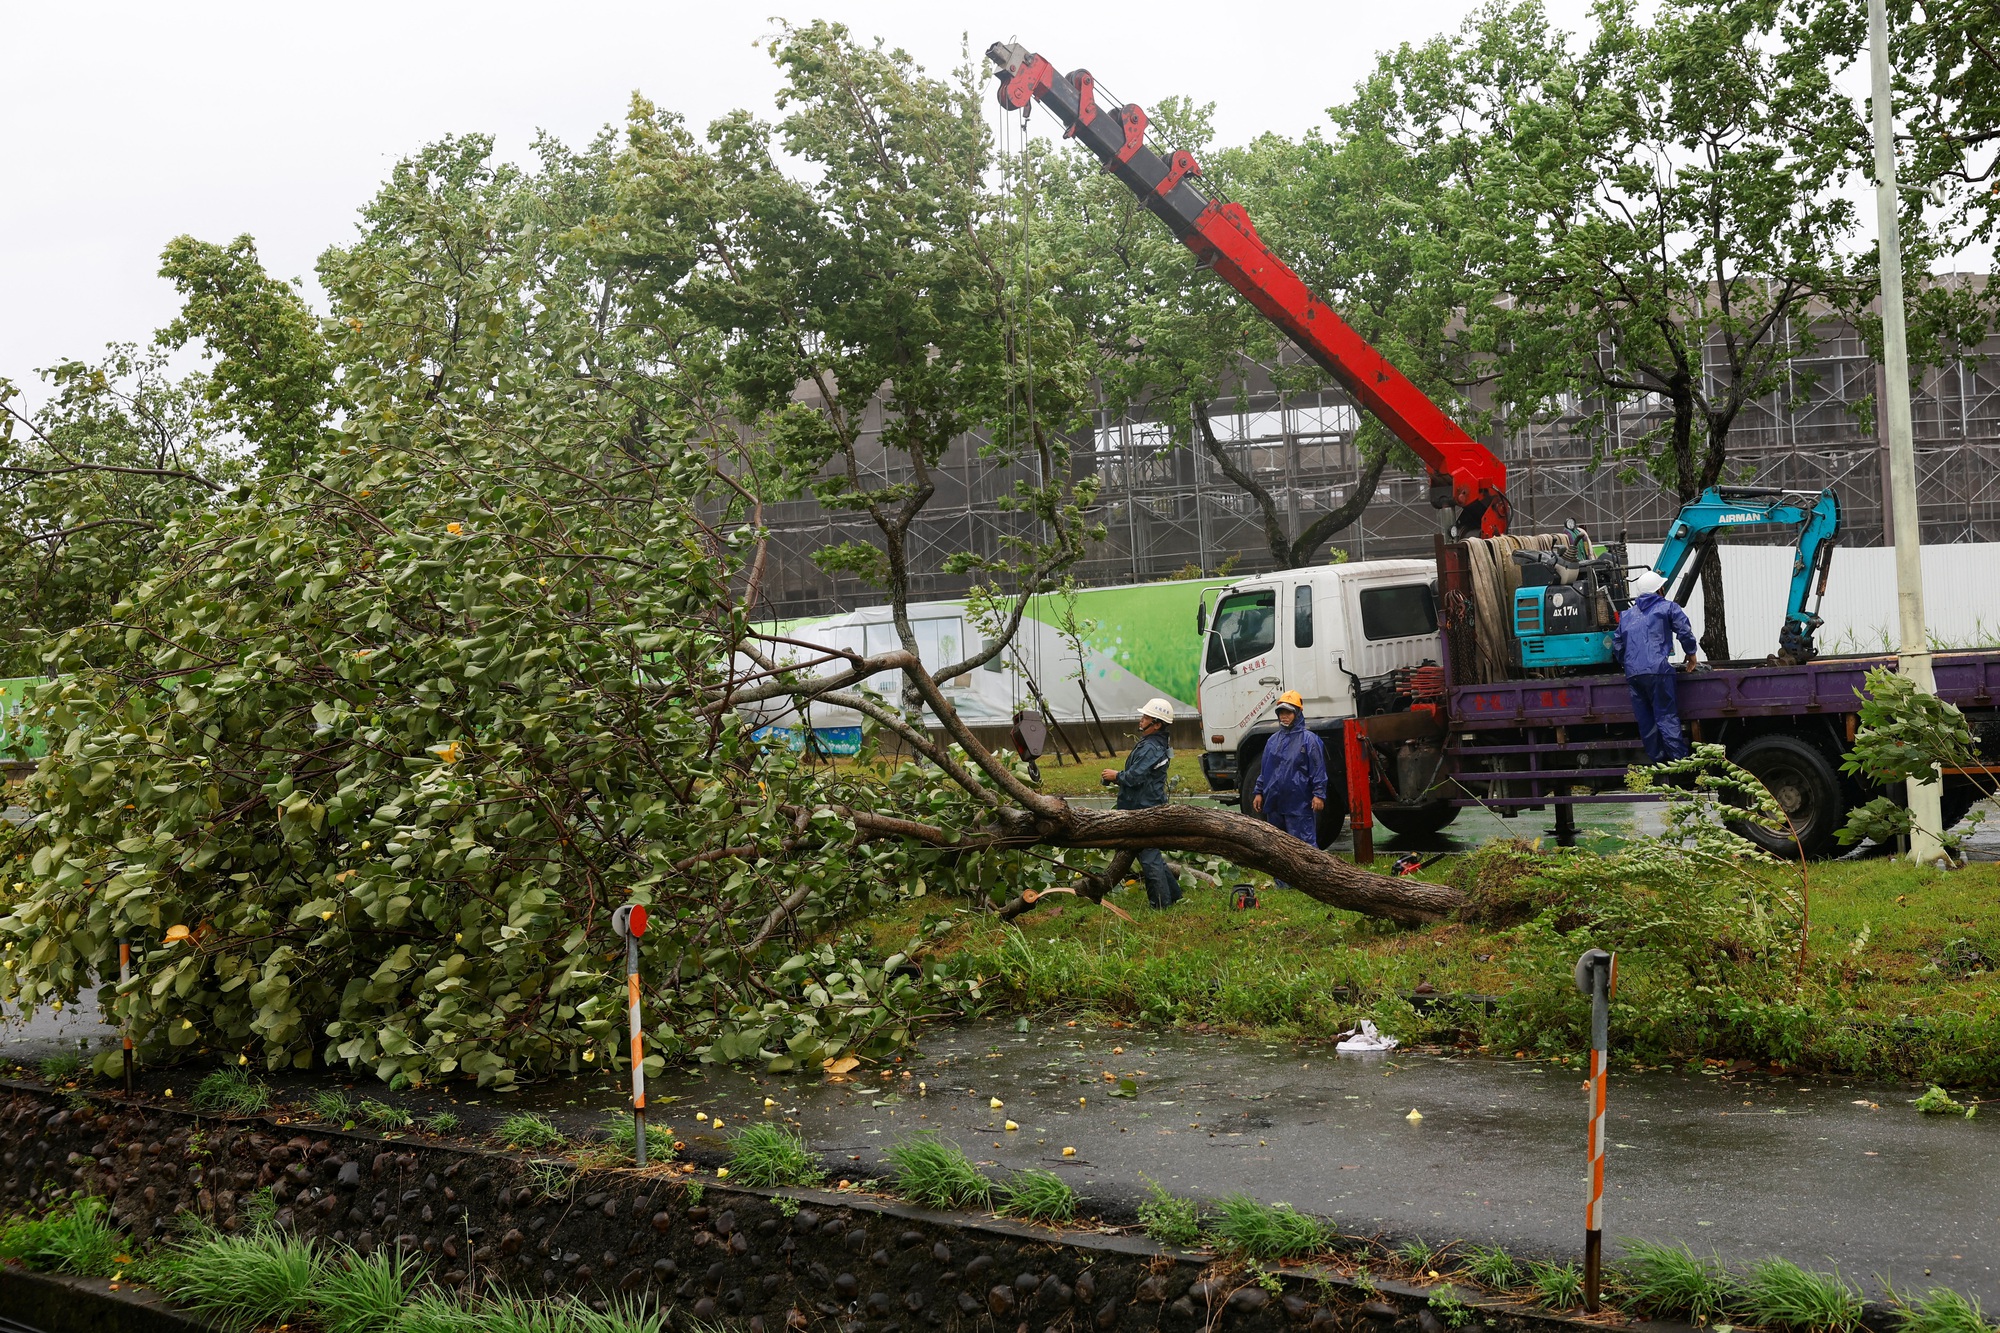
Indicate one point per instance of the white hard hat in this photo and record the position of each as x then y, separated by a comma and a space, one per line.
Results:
1647, 581
1157, 709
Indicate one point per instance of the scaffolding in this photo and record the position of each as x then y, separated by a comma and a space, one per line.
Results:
1167, 509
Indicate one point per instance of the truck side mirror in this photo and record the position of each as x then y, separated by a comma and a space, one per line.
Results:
1201, 617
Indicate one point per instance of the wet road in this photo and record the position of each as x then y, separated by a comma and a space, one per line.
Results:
1748, 1165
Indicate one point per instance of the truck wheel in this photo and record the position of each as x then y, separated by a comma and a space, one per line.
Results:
1416, 820
1247, 773
1331, 821
1806, 787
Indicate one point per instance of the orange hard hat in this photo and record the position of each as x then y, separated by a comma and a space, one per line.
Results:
1290, 699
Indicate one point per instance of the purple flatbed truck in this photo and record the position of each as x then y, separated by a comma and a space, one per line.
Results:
1402, 645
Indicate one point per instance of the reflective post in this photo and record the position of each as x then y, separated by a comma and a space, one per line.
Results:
630, 921
125, 1018
1596, 974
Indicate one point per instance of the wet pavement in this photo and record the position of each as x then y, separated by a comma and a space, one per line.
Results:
1749, 1165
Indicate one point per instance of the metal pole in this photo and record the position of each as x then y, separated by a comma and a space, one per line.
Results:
1595, 975
1360, 810
638, 1052
630, 921
1913, 655
125, 1018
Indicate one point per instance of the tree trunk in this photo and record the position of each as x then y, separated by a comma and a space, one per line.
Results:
1258, 846
1714, 609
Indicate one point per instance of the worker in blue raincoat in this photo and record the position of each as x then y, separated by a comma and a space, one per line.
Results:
1142, 784
1291, 785
1644, 649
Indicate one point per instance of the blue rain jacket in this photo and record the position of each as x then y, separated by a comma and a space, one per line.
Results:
1644, 643
1293, 773
1142, 783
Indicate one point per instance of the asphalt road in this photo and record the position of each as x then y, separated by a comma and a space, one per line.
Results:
1749, 1165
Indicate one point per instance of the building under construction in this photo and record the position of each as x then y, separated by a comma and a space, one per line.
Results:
1168, 510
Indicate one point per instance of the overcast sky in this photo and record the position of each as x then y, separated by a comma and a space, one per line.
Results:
122, 125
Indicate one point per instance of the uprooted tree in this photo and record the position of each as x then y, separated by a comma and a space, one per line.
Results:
364, 760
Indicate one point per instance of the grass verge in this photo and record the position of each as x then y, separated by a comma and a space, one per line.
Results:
766, 1155
232, 1091
937, 1173
1038, 1196
77, 1239
1259, 1230
1885, 992
526, 1130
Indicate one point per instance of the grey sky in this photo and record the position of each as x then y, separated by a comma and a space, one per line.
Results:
122, 125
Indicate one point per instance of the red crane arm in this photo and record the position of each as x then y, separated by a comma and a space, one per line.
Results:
1463, 471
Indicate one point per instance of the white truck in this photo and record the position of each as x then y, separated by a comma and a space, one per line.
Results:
1335, 634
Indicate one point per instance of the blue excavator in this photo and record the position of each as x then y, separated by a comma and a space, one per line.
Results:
1568, 603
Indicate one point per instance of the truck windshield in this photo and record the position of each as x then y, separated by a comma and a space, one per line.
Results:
1246, 624
1401, 612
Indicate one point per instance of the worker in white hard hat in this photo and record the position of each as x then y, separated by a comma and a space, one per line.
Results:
1643, 648
1142, 784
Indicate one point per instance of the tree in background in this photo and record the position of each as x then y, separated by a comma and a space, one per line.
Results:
272, 376
879, 284
1655, 216
89, 483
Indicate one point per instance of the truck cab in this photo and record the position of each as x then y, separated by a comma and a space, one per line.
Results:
1332, 633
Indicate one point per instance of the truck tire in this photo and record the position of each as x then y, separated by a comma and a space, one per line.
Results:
1248, 770
1807, 788
1331, 820
1416, 820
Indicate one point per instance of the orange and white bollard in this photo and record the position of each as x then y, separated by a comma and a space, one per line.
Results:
630, 921
125, 1019
1596, 976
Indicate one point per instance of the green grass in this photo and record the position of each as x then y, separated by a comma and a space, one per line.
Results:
1491, 1266
1419, 1255
1038, 1196
437, 1312
242, 1282
384, 1116
1558, 1286
441, 1123
1674, 1280
1941, 1311
766, 1154
1778, 1293
232, 1091
1873, 1003
358, 1293
526, 1130
1169, 1219
1258, 1230
76, 1240
937, 1173
1450, 1310
59, 1068
332, 1106
261, 1278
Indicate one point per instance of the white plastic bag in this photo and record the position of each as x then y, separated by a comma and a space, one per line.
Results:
1365, 1038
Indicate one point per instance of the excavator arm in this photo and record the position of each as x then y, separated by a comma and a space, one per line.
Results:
1728, 508
1463, 472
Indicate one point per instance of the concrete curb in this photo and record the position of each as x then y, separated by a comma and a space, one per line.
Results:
59, 1303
